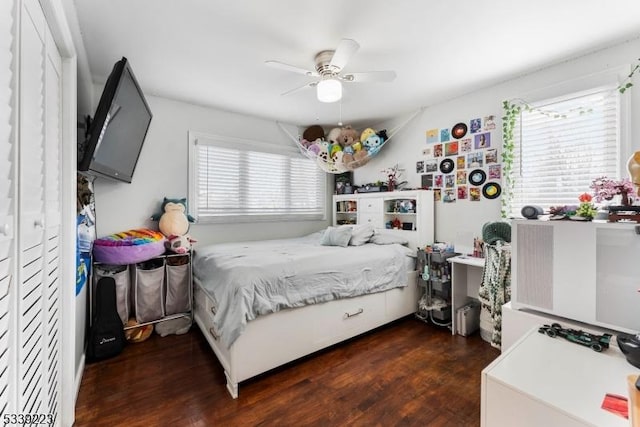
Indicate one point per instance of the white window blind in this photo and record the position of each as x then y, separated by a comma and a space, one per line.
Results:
237, 180
562, 145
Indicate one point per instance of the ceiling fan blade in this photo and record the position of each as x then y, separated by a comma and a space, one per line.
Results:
343, 53
289, 92
292, 68
370, 76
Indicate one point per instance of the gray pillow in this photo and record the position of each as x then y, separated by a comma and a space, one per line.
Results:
388, 239
360, 234
336, 236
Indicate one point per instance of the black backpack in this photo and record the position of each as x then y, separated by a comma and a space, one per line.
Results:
106, 337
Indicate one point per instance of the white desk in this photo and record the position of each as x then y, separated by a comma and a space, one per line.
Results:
466, 278
543, 381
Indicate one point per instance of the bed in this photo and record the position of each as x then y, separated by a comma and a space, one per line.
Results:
263, 304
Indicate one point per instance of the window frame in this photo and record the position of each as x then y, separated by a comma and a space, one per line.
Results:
247, 146
608, 79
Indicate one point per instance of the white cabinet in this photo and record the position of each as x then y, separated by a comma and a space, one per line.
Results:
585, 271
551, 382
411, 210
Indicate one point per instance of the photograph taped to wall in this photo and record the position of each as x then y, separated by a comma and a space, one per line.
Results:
489, 122
437, 194
462, 192
431, 165
461, 177
476, 125
451, 148
437, 181
419, 166
460, 162
474, 194
432, 136
475, 159
449, 181
482, 140
445, 135
437, 150
427, 152
427, 181
495, 172
449, 196
491, 156
465, 145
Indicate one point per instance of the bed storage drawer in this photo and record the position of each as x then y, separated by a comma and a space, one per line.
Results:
348, 317
205, 309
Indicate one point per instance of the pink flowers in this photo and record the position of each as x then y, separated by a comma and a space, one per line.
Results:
605, 188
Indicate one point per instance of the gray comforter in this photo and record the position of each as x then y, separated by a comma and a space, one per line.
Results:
249, 279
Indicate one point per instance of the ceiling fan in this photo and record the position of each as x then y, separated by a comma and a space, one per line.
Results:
328, 71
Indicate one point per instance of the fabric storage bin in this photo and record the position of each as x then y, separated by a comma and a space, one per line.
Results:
178, 291
149, 295
121, 275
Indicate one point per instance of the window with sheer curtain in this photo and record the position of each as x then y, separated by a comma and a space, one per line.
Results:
234, 180
561, 145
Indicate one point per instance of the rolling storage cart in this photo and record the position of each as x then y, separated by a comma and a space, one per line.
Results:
434, 280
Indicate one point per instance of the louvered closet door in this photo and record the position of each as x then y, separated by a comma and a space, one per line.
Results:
31, 249
7, 208
52, 150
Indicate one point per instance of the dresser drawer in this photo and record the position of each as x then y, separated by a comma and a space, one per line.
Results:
375, 219
370, 205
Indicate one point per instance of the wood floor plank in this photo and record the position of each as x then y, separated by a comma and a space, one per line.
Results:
403, 374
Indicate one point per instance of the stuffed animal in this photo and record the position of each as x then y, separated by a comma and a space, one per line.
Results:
173, 220
180, 244
348, 137
373, 143
334, 136
366, 133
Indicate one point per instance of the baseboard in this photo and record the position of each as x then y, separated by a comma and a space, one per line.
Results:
78, 379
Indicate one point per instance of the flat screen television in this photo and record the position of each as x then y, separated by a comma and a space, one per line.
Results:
114, 138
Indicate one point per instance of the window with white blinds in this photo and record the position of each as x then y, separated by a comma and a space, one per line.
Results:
560, 146
237, 180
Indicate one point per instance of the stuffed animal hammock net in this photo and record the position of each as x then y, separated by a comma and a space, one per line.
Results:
343, 149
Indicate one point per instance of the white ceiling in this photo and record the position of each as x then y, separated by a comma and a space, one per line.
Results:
212, 52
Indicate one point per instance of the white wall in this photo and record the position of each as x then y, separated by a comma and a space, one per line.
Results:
465, 216
162, 170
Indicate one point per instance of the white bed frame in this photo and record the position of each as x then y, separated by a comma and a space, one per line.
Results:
275, 339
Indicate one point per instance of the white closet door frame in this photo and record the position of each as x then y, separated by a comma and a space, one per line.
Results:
71, 375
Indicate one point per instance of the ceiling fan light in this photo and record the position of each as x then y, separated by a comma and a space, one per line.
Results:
329, 90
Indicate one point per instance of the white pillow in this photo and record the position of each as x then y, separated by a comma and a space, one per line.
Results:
336, 236
360, 234
388, 239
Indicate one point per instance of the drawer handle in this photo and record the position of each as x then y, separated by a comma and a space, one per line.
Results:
214, 334
348, 315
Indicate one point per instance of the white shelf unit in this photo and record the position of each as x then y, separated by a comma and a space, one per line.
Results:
413, 209
584, 271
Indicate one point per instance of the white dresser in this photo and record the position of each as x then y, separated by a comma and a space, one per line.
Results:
551, 382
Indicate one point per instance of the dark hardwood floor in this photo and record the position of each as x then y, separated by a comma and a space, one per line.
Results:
406, 373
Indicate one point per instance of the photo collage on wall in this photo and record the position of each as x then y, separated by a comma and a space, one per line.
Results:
461, 162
